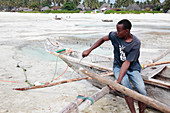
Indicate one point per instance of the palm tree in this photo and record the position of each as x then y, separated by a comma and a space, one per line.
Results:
155, 2
76, 2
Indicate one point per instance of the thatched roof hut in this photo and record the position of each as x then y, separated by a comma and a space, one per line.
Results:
56, 8
133, 7
80, 7
45, 8
104, 5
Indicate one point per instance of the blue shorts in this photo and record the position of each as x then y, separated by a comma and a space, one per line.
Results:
135, 78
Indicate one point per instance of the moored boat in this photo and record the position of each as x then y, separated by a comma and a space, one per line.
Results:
156, 78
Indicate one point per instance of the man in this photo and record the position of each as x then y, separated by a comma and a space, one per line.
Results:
126, 64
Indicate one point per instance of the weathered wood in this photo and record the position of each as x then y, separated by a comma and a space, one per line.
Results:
59, 82
150, 72
80, 104
158, 57
155, 64
158, 83
51, 84
95, 97
147, 100
72, 106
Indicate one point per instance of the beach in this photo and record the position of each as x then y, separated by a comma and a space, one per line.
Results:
22, 44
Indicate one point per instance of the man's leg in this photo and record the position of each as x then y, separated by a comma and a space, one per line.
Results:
125, 82
142, 107
139, 85
130, 102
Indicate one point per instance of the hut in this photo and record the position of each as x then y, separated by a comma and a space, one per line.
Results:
56, 8
80, 7
133, 7
45, 8
104, 5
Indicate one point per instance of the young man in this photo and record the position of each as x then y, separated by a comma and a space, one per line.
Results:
126, 64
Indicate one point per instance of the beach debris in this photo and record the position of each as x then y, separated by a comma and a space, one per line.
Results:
57, 18
107, 20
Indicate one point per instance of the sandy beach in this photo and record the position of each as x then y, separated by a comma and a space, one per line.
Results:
22, 42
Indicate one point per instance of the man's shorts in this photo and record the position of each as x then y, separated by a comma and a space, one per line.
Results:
135, 78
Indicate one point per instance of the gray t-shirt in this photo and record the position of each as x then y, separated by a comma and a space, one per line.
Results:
126, 51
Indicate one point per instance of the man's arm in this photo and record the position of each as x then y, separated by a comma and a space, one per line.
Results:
123, 70
97, 44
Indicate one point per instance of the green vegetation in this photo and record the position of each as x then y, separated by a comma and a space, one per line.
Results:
166, 6
49, 11
130, 12
87, 11
69, 6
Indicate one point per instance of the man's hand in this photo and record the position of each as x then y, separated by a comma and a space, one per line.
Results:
112, 87
86, 53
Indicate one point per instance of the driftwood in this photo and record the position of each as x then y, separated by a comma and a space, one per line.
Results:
81, 105
147, 100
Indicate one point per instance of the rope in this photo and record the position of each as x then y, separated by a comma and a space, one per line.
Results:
55, 69
76, 66
85, 98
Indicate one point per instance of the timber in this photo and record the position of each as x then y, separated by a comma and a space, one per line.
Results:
48, 84
155, 64
72, 106
81, 105
95, 97
158, 57
147, 100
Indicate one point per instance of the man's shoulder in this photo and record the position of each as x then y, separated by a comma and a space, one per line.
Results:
112, 34
136, 39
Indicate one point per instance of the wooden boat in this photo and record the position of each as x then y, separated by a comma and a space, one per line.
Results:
107, 20
156, 78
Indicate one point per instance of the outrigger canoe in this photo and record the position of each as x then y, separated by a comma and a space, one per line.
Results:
156, 78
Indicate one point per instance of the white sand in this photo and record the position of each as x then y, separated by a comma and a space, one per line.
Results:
21, 40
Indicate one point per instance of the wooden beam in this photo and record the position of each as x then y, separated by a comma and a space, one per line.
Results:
155, 64
80, 104
95, 97
158, 57
147, 100
72, 106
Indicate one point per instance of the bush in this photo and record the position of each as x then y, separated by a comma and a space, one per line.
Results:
65, 11
166, 6
69, 6
131, 12
87, 11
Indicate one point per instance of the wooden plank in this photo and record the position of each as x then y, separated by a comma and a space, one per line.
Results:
152, 71
158, 57
95, 97
158, 83
155, 64
147, 100
50, 84
72, 106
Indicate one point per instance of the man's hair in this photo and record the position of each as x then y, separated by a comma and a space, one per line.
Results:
126, 24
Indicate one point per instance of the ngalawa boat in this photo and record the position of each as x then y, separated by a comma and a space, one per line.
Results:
156, 78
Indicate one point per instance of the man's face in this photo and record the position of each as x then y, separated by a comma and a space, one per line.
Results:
121, 33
